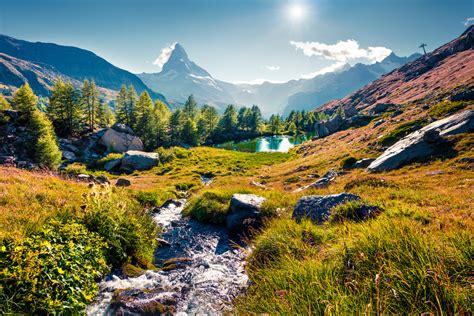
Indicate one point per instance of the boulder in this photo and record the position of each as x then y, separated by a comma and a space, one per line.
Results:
112, 164
244, 213
119, 142
379, 122
122, 182
69, 155
139, 160
317, 208
102, 179
363, 163
122, 128
424, 142
380, 108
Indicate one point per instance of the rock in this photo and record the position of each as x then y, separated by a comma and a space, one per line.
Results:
320, 183
69, 155
434, 173
396, 113
102, 180
142, 302
466, 160
119, 142
112, 164
244, 213
363, 163
380, 108
331, 174
122, 182
317, 208
424, 142
466, 95
84, 177
139, 160
258, 185
379, 122
122, 128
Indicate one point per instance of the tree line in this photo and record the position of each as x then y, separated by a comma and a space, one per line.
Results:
72, 112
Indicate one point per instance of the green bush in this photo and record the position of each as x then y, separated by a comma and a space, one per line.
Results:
52, 271
153, 198
76, 168
401, 131
445, 108
109, 157
348, 162
130, 233
209, 206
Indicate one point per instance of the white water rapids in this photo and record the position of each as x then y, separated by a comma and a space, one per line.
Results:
210, 278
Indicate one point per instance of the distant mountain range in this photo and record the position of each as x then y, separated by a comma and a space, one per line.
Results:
181, 77
41, 63
446, 71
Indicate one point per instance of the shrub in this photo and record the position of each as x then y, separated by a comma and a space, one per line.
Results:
52, 271
124, 225
153, 198
401, 131
76, 168
209, 206
348, 162
445, 108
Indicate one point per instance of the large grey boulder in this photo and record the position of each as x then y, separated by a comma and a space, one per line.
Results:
363, 163
139, 160
424, 142
122, 128
317, 208
119, 142
244, 213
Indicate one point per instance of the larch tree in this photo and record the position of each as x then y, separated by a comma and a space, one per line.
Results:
90, 103
64, 109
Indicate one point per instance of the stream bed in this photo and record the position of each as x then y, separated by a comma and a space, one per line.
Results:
207, 271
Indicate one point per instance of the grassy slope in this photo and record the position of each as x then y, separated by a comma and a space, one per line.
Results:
421, 243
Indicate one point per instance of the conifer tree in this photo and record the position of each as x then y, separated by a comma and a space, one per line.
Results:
105, 115
46, 150
228, 122
64, 109
4, 105
123, 114
176, 125
131, 104
162, 114
190, 108
90, 103
143, 112
189, 133
24, 100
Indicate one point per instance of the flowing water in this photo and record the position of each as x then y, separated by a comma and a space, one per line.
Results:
209, 275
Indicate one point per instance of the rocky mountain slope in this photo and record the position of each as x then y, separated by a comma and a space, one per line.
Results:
43, 62
448, 69
181, 77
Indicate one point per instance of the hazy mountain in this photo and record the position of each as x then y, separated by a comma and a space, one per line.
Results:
70, 62
181, 77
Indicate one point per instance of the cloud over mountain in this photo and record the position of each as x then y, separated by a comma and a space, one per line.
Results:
164, 55
343, 51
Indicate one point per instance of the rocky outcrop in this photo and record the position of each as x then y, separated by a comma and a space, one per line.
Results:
424, 142
317, 208
338, 123
122, 182
139, 160
363, 163
244, 213
119, 142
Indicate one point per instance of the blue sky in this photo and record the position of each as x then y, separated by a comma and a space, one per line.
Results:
240, 40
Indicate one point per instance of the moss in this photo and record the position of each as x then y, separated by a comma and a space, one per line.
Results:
446, 108
131, 271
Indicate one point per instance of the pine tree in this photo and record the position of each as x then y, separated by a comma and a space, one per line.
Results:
292, 129
162, 114
123, 115
24, 100
190, 108
4, 105
143, 111
131, 104
105, 116
64, 109
255, 118
89, 101
275, 124
176, 126
207, 122
243, 118
189, 133
46, 150
228, 122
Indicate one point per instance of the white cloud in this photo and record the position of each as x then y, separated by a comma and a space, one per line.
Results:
331, 68
272, 68
468, 21
164, 55
343, 51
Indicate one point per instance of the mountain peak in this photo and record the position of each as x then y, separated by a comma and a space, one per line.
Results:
180, 63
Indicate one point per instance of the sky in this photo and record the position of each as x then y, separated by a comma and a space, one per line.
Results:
241, 40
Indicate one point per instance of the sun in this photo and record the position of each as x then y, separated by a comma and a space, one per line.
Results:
296, 11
